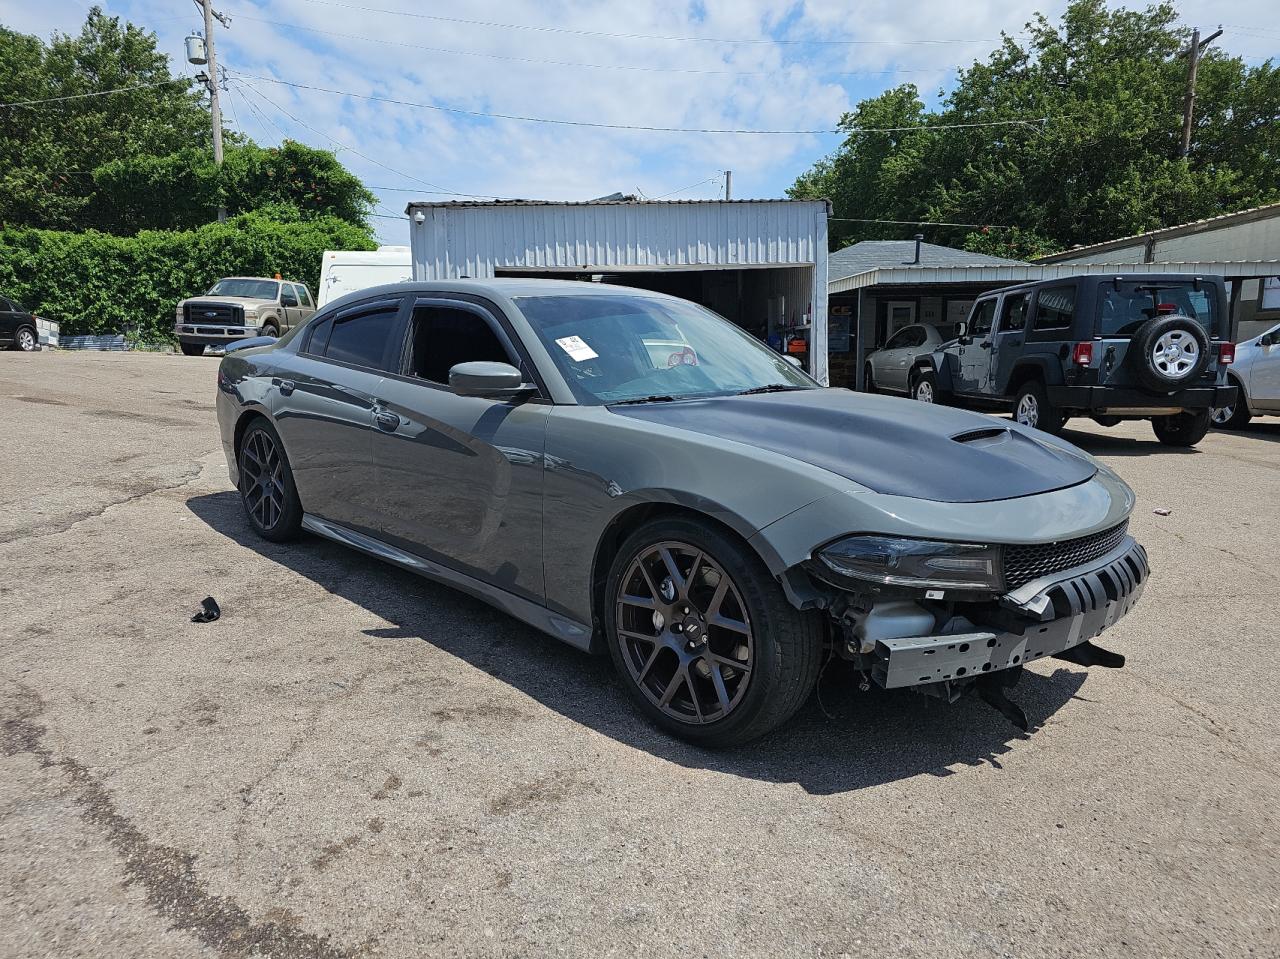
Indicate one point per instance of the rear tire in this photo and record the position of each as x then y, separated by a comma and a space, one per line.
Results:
192, 349
1181, 429
1233, 417
267, 492
765, 660
1031, 407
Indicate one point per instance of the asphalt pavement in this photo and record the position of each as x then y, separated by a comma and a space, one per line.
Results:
356, 762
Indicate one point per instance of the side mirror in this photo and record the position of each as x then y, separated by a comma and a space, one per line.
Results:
962, 332
793, 360
485, 378
288, 299
1269, 340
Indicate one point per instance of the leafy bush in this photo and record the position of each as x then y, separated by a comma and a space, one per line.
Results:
94, 283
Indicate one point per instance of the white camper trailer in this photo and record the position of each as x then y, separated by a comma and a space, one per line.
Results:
345, 271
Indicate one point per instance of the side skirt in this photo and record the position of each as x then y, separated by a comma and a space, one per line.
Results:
539, 617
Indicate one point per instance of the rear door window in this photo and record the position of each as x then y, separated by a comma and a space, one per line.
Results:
1055, 308
1013, 315
362, 338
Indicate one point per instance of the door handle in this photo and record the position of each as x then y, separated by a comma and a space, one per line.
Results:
286, 387
985, 344
388, 422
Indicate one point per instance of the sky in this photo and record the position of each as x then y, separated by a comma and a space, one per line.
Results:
706, 64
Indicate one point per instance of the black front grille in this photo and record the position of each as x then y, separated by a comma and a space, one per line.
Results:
1022, 564
213, 313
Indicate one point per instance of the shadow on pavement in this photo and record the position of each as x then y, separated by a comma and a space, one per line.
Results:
845, 741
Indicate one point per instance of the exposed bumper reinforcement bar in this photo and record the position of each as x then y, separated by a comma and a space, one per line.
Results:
1064, 611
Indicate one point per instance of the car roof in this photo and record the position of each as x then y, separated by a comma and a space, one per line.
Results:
498, 288
1097, 279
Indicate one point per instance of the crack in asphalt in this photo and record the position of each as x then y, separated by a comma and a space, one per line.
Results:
61, 525
167, 875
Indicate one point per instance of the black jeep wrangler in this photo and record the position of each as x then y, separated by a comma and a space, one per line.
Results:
1152, 346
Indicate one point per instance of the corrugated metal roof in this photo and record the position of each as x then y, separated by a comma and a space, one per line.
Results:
416, 204
873, 254
1028, 272
1182, 229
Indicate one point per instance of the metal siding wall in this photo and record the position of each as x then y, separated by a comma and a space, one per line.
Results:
479, 240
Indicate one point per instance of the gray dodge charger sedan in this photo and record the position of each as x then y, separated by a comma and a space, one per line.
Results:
628, 471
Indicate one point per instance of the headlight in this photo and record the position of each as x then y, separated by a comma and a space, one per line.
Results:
915, 562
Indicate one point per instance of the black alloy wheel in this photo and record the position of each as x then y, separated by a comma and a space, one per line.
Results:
266, 484
704, 638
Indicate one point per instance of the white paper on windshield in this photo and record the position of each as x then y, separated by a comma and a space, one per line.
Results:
576, 348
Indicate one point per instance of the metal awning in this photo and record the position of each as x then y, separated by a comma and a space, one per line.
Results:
1028, 273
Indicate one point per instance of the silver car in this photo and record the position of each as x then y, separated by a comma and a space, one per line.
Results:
888, 369
629, 472
1256, 373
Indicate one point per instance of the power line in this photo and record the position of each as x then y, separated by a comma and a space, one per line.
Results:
96, 93
689, 187
365, 156
641, 128
632, 36
570, 63
980, 226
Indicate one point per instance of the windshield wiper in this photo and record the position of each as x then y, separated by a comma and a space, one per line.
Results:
771, 388
644, 399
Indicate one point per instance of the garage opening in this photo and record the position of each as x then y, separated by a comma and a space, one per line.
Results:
773, 304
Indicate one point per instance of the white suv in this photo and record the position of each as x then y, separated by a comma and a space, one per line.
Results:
1256, 371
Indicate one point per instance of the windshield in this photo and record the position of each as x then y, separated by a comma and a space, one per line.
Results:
253, 289
1124, 307
614, 347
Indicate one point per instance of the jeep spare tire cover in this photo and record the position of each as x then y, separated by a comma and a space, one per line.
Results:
1168, 352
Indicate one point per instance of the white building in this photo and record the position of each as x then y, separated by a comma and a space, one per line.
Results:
760, 263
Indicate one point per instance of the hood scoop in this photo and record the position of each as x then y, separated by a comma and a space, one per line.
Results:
989, 437
893, 446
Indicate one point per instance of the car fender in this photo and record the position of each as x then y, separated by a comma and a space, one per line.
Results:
940, 363
1047, 368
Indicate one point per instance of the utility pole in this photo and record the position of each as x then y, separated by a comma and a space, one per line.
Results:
215, 109
728, 184
1189, 100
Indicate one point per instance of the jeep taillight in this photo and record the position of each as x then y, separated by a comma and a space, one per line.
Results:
1226, 354
1083, 354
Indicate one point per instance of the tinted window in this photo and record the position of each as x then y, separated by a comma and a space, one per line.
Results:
1055, 308
899, 340
318, 337
4, 304
443, 337
361, 339
918, 336
983, 314
287, 295
1124, 307
1013, 317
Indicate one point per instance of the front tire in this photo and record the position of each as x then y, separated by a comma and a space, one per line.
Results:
191, 349
703, 637
1031, 407
1181, 429
26, 340
869, 380
266, 484
270, 329
924, 387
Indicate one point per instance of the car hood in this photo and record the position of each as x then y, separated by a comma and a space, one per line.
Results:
239, 300
893, 446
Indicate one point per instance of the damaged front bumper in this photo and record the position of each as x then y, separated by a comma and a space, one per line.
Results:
1046, 617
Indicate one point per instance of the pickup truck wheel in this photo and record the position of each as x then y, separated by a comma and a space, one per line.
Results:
270, 329
1031, 407
1181, 429
192, 349
924, 387
702, 636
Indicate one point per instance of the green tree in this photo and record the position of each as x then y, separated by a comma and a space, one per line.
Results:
1097, 156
